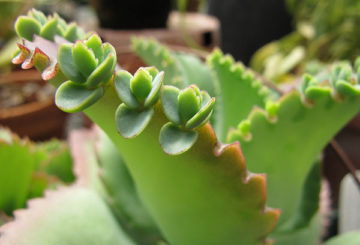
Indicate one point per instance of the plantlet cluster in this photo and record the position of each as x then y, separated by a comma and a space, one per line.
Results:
182, 150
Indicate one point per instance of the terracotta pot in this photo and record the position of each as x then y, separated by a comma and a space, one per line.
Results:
38, 120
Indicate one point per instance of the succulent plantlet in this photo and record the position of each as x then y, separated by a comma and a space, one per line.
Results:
89, 65
187, 110
139, 94
36, 23
205, 195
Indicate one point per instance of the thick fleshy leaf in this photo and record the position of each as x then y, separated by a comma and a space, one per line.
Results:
286, 137
48, 30
154, 94
202, 116
131, 122
84, 58
65, 216
16, 167
175, 141
169, 101
141, 84
95, 44
72, 97
67, 64
122, 86
345, 88
72, 33
188, 104
102, 73
27, 27
350, 238
38, 15
240, 91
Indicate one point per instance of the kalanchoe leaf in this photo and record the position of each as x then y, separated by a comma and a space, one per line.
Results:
102, 73
67, 65
244, 126
49, 29
84, 58
345, 88
345, 73
201, 117
153, 71
122, 86
188, 103
71, 33
73, 97
95, 44
154, 94
169, 100
271, 108
141, 84
26, 27
313, 92
175, 141
131, 122
305, 82
38, 15
205, 98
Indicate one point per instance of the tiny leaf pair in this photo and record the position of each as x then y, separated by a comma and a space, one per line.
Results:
36, 23
89, 65
187, 110
343, 81
139, 94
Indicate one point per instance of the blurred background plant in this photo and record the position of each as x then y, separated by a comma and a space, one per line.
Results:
325, 31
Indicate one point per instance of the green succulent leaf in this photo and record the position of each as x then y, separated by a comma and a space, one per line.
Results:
349, 238
95, 44
131, 122
345, 88
84, 58
240, 91
103, 72
100, 167
122, 86
67, 64
81, 206
320, 121
49, 29
169, 100
141, 84
72, 97
188, 104
71, 33
174, 140
154, 94
201, 117
26, 27
38, 15
16, 164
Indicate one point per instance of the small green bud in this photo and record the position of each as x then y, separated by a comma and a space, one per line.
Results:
272, 108
189, 101
141, 84
244, 127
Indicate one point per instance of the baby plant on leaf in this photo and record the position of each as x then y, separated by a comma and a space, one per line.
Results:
196, 189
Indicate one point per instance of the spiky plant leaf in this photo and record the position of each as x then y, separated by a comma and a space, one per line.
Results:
240, 90
227, 204
16, 167
100, 167
300, 130
76, 215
